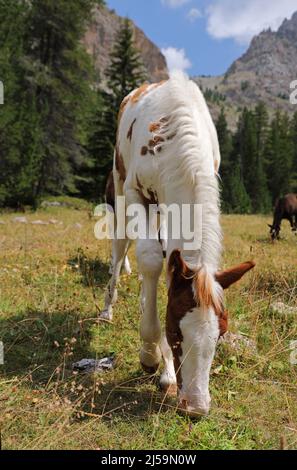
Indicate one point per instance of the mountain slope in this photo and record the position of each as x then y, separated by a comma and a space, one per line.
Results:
264, 73
100, 37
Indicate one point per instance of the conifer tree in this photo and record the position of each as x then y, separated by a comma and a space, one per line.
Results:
261, 199
279, 152
126, 70
14, 178
225, 142
51, 73
293, 131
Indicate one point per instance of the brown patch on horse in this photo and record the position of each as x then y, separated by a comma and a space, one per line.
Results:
154, 127
157, 85
144, 151
158, 139
110, 191
216, 166
139, 93
130, 131
153, 144
152, 195
119, 164
180, 301
122, 108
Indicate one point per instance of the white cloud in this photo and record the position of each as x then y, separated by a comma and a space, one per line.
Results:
194, 14
174, 3
176, 59
242, 19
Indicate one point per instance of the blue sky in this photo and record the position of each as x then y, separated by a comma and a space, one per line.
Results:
204, 36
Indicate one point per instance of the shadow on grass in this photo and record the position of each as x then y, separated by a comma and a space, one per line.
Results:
94, 272
36, 342
41, 348
136, 396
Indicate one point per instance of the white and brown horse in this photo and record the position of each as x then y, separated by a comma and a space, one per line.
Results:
167, 152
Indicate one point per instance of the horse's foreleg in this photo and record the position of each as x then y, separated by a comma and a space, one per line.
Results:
150, 263
168, 377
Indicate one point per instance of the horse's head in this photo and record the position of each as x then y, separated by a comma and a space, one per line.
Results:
274, 231
196, 317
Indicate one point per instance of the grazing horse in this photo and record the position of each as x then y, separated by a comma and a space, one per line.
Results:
167, 153
285, 208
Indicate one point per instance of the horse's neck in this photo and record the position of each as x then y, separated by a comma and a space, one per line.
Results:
204, 195
179, 196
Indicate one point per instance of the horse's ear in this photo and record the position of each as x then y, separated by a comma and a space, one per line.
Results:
176, 264
229, 276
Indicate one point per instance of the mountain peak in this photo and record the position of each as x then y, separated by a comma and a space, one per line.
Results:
263, 73
288, 29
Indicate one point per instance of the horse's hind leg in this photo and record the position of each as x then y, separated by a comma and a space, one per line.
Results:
119, 252
120, 248
126, 264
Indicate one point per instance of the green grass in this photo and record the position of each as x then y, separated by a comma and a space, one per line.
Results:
52, 281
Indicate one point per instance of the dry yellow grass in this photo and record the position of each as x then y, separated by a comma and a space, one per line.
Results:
52, 280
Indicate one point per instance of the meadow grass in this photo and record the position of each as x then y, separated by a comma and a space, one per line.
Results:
52, 280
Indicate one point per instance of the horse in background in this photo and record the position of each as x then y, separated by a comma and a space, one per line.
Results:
285, 208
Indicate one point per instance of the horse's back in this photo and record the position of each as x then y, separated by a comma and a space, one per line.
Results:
145, 112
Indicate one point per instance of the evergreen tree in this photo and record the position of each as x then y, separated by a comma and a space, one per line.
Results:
293, 130
261, 198
225, 142
61, 87
239, 201
14, 115
51, 74
126, 70
279, 152
249, 146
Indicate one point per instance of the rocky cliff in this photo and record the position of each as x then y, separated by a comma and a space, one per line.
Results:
100, 37
264, 73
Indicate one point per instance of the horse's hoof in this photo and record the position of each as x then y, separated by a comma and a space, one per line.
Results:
105, 315
150, 369
169, 390
187, 410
